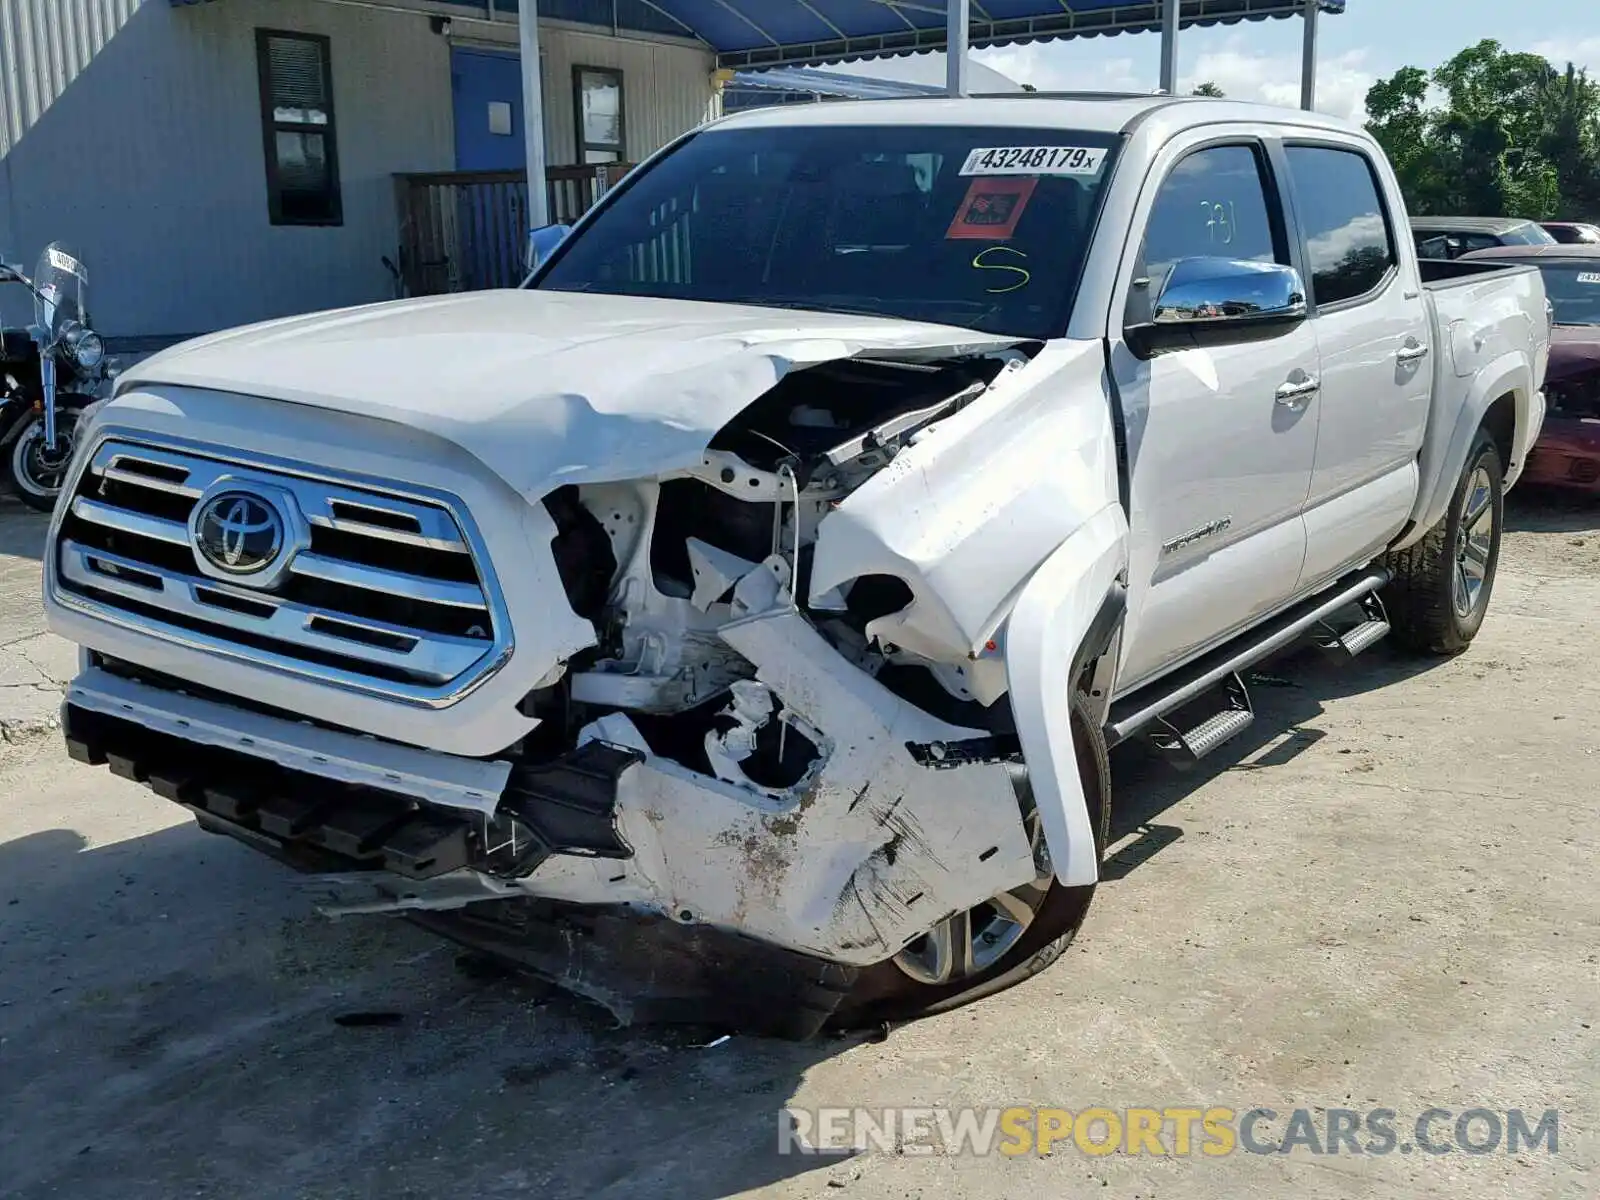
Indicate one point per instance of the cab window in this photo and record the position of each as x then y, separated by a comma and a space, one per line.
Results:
1215, 204
1350, 250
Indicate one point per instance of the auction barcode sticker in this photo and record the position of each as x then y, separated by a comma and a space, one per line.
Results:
1589, 277
1034, 160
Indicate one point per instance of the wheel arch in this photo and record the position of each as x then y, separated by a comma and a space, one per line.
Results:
1502, 399
1065, 621
1500, 420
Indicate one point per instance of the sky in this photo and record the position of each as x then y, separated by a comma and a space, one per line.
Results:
1261, 61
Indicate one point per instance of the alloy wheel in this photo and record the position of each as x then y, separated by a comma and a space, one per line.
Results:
1474, 545
970, 942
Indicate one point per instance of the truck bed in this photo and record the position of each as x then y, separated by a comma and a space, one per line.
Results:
1439, 274
1488, 322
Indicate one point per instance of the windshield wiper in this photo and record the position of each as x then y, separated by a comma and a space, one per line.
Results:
846, 306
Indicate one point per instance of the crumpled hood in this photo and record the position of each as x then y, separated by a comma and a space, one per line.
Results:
545, 388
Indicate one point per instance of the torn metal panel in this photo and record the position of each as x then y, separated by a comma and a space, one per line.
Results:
860, 857
759, 732
967, 513
854, 859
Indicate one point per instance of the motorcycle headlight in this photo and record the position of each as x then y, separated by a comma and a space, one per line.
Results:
87, 347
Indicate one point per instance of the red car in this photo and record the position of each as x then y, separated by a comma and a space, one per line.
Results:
1568, 452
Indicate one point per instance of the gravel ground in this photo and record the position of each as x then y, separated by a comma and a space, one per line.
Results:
1382, 896
33, 664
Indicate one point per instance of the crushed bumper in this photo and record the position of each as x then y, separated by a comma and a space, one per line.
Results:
876, 841
642, 968
321, 824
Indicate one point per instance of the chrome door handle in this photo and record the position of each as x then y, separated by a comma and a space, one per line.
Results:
1291, 394
1412, 353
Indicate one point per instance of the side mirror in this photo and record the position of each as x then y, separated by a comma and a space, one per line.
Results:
542, 243
1220, 301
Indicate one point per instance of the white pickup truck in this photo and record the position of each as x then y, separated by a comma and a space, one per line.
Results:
732, 622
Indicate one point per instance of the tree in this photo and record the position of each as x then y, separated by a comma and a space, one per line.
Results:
1210, 89
1571, 140
1399, 117
1514, 136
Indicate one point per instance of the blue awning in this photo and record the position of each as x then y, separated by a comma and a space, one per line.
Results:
770, 33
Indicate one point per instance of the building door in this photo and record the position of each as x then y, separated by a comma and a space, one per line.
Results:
491, 217
487, 95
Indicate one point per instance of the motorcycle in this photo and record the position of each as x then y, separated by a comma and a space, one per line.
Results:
50, 374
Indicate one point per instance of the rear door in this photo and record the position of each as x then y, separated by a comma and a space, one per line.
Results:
1375, 343
1220, 440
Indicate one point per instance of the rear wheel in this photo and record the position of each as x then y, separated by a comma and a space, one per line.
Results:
1441, 587
1007, 938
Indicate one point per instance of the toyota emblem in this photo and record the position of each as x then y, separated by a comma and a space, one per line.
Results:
239, 533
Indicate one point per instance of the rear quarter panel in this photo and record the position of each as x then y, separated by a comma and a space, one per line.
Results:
1494, 340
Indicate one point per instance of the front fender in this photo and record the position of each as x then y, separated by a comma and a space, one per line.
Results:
1052, 616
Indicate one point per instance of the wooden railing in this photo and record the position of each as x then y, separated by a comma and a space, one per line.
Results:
463, 231
573, 191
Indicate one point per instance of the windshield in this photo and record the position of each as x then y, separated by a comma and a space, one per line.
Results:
967, 226
1574, 292
1528, 235
62, 284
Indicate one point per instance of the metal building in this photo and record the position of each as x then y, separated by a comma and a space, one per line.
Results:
223, 161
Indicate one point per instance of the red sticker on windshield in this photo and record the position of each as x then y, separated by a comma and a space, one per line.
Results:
992, 207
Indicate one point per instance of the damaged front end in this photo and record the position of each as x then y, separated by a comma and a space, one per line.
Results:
788, 753
783, 787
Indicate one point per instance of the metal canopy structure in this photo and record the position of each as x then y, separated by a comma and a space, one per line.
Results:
758, 33
746, 34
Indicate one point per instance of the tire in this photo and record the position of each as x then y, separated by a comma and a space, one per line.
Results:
34, 475
1432, 606
886, 992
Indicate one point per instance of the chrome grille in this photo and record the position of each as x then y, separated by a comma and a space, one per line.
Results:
387, 596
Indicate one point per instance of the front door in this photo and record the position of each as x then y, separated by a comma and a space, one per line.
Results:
486, 91
1220, 441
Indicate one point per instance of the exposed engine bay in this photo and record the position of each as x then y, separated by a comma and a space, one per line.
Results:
721, 655
661, 567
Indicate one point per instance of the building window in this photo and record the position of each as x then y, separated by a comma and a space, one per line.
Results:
598, 101
298, 130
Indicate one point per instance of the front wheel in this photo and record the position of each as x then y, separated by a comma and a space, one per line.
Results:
1003, 941
1441, 586
36, 471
